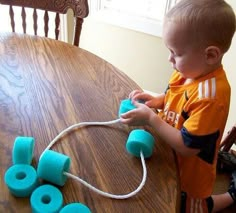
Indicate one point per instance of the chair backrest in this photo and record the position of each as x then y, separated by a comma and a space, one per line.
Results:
229, 140
79, 7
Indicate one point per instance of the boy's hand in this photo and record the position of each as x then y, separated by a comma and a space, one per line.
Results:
133, 93
149, 100
139, 116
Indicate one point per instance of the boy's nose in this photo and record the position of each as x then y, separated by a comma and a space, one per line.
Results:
171, 58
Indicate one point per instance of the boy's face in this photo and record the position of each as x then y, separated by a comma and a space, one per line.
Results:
185, 55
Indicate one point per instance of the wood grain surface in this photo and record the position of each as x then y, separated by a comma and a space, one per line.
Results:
48, 85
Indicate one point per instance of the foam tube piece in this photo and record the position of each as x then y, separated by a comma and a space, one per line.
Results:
138, 140
46, 198
125, 106
23, 149
75, 207
21, 180
51, 167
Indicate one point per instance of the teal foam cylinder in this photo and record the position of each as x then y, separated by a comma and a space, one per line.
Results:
21, 180
75, 207
46, 199
51, 167
138, 140
23, 149
125, 106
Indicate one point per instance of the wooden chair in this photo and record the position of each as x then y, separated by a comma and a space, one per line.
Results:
79, 8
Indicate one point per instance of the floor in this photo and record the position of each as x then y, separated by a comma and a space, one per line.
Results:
221, 186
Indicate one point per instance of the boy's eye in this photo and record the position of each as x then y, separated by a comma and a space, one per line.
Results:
173, 53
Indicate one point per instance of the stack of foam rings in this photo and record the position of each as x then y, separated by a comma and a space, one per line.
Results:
23, 180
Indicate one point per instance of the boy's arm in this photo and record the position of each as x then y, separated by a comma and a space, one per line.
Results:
171, 136
143, 115
157, 102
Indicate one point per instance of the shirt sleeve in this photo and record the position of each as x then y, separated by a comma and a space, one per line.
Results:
201, 130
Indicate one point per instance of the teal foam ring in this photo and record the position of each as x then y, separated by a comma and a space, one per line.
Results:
125, 106
46, 198
51, 167
23, 149
138, 140
75, 207
21, 180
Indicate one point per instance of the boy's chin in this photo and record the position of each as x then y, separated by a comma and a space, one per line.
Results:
182, 74
179, 72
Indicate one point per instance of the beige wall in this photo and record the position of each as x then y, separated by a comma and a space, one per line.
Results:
143, 57
230, 67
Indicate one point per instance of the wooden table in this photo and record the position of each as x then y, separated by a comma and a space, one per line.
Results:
48, 85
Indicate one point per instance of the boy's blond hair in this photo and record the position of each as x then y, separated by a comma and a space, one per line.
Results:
210, 22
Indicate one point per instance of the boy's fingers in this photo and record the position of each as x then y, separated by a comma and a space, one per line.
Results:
136, 103
125, 115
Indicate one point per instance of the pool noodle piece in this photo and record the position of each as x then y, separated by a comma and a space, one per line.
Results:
75, 207
51, 167
46, 198
140, 140
21, 180
23, 149
125, 106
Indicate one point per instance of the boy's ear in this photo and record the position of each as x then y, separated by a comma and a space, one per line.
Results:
213, 55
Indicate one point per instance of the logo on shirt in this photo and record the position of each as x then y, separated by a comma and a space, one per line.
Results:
171, 117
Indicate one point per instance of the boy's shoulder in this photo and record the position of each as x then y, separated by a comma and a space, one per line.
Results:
214, 85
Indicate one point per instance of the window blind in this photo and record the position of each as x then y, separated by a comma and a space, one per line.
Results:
150, 9
139, 15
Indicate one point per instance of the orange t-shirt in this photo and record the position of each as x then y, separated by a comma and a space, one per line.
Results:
199, 110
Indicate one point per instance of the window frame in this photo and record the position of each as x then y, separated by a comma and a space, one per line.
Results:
132, 22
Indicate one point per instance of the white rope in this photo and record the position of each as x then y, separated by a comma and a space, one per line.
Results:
77, 126
125, 196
